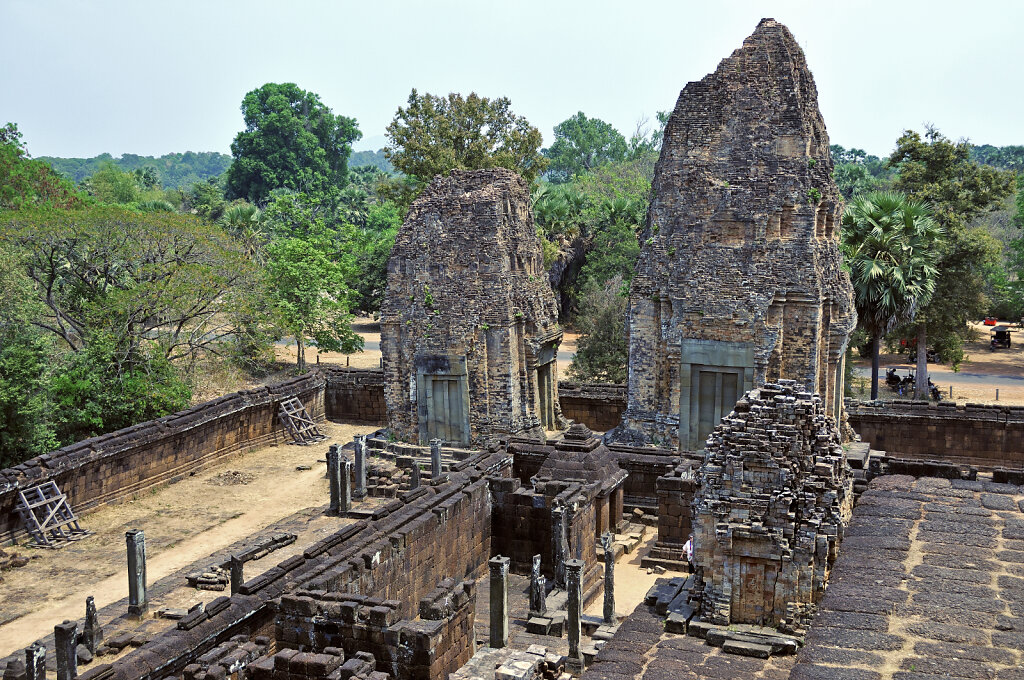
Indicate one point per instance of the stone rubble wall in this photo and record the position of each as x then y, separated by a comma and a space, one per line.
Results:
119, 465
399, 554
982, 435
773, 497
599, 406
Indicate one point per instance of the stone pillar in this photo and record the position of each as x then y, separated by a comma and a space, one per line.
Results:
414, 476
559, 546
499, 601
65, 642
35, 662
345, 500
538, 594
237, 574
137, 604
574, 584
92, 633
609, 578
360, 491
435, 458
334, 478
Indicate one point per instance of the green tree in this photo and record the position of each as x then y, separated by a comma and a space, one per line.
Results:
307, 279
434, 135
889, 243
581, 144
373, 250
157, 279
941, 173
25, 355
112, 185
291, 140
602, 351
112, 384
27, 183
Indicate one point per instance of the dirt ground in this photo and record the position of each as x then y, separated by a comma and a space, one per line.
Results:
184, 522
978, 376
631, 580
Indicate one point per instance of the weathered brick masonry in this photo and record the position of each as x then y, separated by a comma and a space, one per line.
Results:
354, 394
392, 560
117, 465
469, 325
739, 279
982, 435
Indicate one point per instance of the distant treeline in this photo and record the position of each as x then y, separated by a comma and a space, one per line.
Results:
175, 170
375, 159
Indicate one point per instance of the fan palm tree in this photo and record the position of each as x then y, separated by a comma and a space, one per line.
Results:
890, 245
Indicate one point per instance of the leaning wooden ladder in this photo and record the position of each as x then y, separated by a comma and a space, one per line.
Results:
48, 516
300, 425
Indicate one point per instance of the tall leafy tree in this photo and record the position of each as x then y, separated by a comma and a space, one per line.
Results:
941, 173
582, 144
889, 242
291, 140
602, 351
433, 135
27, 183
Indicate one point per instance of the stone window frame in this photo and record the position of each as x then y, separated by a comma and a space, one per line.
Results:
445, 367
708, 355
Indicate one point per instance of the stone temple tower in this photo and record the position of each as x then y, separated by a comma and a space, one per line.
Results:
739, 280
469, 324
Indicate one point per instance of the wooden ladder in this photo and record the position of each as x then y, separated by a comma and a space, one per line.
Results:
297, 421
48, 516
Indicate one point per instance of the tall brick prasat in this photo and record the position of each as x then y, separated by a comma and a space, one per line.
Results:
469, 324
739, 280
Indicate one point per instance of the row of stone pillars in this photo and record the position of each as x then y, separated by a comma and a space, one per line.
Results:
574, 586
65, 641
340, 468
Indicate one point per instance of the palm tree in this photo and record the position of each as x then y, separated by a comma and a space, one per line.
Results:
889, 242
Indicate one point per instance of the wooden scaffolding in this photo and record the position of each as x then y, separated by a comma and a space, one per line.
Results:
48, 516
297, 421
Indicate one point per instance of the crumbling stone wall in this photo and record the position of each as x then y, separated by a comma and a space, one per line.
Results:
599, 406
983, 435
739, 280
354, 394
773, 496
469, 325
120, 464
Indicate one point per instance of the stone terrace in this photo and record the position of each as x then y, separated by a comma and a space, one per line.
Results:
929, 584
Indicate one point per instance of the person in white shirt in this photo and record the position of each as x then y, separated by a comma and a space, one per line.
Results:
688, 552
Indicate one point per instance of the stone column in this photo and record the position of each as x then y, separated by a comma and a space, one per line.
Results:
237, 574
435, 459
334, 478
574, 584
345, 502
65, 641
137, 604
92, 633
558, 545
499, 601
414, 476
35, 662
609, 578
360, 491
538, 594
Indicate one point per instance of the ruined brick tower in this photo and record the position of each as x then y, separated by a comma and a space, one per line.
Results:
774, 494
469, 330
739, 280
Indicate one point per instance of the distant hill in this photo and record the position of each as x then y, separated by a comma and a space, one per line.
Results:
176, 170
374, 158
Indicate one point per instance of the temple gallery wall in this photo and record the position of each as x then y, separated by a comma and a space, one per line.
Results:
495, 504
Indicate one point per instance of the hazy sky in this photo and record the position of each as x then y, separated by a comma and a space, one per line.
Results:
81, 77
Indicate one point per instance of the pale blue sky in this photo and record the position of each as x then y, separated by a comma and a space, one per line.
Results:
80, 77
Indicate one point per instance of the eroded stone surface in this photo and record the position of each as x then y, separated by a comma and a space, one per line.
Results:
469, 325
740, 269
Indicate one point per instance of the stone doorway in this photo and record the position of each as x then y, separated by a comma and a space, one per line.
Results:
546, 396
446, 409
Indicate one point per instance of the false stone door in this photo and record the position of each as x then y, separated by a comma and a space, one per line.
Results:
446, 411
717, 391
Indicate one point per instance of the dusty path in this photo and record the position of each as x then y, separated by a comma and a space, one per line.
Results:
184, 522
